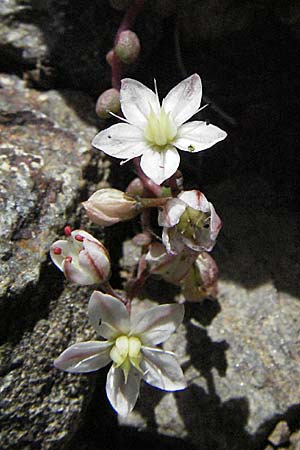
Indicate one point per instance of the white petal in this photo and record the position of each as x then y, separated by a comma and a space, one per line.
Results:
137, 101
108, 315
121, 141
97, 259
196, 136
172, 240
156, 324
84, 357
76, 274
160, 165
195, 199
170, 214
162, 370
183, 101
122, 396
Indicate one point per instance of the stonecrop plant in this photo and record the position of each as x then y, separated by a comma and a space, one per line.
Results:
151, 134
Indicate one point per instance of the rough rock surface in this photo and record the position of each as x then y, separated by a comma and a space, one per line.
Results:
240, 354
41, 177
64, 42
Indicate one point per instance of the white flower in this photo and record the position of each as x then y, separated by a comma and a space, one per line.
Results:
130, 345
82, 258
153, 130
189, 220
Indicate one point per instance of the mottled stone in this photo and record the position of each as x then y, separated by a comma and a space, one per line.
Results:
280, 434
45, 152
295, 441
240, 354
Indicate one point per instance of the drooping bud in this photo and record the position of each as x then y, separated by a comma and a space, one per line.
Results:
109, 206
202, 279
135, 187
172, 268
108, 101
83, 259
120, 5
128, 47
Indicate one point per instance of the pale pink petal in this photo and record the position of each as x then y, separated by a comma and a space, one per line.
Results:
95, 257
183, 101
171, 212
122, 396
107, 315
159, 165
84, 357
121, 141
137, 101
76, 274
162, 370
197, 136
156, 324
215, 223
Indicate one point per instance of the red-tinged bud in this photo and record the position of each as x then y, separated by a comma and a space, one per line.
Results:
108, 101
67, 230
109, 206
135, 187
128, 47
90, 259
142, 239
109, 57
120, 5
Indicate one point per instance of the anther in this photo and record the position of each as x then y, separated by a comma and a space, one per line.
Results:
67, 230
79, 238
57, 251
68, 259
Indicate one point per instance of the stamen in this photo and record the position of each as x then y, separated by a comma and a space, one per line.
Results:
57, 251
118, 117
68, 230
68, 259
79, 238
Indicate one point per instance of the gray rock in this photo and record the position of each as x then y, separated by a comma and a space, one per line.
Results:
45, 151
240, 354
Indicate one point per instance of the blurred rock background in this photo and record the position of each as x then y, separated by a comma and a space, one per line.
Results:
241, 353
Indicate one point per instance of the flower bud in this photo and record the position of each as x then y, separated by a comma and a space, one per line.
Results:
83, 259
109, 206
172, 268
201, 280
108, 101
109, 57
128, 47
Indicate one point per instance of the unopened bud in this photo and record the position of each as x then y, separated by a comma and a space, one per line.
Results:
119, 5
109, 57
202, 279
83, 259
109, 101
128, 47
135, 187
109, 206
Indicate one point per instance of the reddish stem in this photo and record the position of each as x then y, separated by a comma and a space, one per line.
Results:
117, 66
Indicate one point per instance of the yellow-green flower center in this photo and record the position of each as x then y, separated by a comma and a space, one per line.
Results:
192, 221
125, 352
160, 129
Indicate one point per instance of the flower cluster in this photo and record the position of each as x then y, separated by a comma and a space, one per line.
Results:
189, 225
